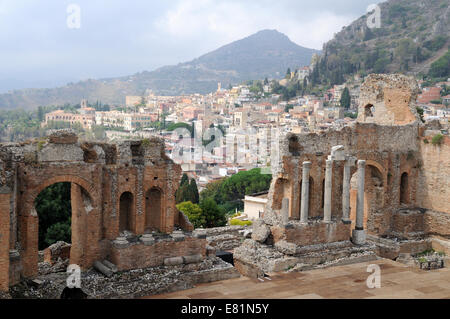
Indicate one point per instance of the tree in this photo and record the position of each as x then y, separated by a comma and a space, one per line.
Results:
58, 232
441, 67
345, 99
211, 190
213, 214
194, 189
41, 114
243, 183
184, 179
54, 210
288, 73
193, 212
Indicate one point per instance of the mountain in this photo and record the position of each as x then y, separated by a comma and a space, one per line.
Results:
413, 35
264, 54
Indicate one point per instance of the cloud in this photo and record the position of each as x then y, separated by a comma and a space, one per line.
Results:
225, 21
119, 37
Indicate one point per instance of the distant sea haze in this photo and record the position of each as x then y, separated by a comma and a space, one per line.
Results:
267, 53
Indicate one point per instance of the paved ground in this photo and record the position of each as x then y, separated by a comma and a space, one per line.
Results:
397, 281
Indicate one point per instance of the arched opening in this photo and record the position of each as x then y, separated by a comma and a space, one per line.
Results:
125, 211
153, 209
404, 189
54, 211
60, 215
311, 212
369, 110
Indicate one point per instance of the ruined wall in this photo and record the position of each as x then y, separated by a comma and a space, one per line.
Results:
434, 182
388, 140
99, 174
4, 239
141, 256
389, 152
388, 99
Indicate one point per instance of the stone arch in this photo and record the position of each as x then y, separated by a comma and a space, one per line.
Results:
126, 208
82, 202
29, 197
154, 207
404, 189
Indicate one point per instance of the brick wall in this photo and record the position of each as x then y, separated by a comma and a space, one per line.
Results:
434, 183
142, 256
313, 233
4, 241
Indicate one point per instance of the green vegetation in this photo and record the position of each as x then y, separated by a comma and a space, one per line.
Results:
420, 112
238, 222
54, 210
187, 191
229, 192
441, 67
437, 139
174, 126
193, 212
345, 99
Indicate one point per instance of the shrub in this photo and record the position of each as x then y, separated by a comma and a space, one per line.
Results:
238, 222
437, 139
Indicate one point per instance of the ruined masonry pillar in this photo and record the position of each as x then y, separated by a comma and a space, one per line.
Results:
285, 211
4, 237
304, 209
327, 192
359, 234
346, 190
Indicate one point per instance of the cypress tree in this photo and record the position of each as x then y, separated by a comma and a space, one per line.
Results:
194, 189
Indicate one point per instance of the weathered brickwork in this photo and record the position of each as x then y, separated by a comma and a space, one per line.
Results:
114, 187
4, 239
141, 256
312, 234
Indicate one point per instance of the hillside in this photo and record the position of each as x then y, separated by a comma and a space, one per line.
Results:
260, 55
413, 35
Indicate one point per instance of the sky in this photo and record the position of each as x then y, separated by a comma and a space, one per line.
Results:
48, 43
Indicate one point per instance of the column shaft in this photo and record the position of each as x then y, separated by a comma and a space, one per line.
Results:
346, 192
328, 189
304, 210
360, 198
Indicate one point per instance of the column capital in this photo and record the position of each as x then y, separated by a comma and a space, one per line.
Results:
361, 163
350, 160
307, 164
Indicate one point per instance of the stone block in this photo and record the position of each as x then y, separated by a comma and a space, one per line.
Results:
260, 231
359, 237
173, 261
192, 259
286, 247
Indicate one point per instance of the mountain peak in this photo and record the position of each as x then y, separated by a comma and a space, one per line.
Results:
267, 53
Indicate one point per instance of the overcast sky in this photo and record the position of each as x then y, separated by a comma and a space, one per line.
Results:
122, 37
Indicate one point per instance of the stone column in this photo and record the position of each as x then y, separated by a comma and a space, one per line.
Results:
304, 210
327, 192
285, 211
359, 234
350, 161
